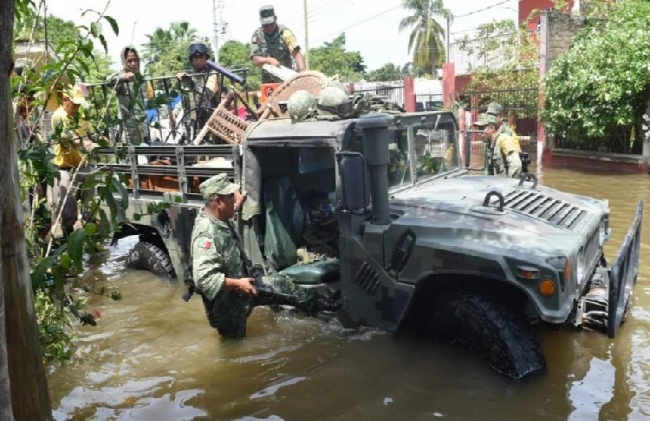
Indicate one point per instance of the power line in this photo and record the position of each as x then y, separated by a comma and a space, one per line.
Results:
482, 10
361, 22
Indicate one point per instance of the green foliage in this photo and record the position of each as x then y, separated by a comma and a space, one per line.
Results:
236, 55
60, 32
55, 261
511, 53
165, 53
427, 36
333, 59
597, 92
388, 72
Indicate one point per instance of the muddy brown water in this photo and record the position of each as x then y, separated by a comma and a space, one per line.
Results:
153, 357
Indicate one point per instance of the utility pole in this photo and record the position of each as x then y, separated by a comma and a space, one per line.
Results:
304, 5
218, 25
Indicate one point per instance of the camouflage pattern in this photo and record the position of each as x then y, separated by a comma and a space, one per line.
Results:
331, 100
278, 45
131, 98
495, 109
301, 106
503, 158
454, 230
219, 184
215, 256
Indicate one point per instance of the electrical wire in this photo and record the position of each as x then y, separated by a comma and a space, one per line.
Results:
482, 10
360, 22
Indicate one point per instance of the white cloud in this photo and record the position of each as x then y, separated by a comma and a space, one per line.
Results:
378, 40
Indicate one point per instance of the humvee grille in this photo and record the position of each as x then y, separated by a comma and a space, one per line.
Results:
367, 279
554, 211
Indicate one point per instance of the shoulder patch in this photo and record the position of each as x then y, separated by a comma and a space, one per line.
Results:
255, 39
206, 244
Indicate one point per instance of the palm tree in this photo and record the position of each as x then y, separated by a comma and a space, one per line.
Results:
427, 35
182, 31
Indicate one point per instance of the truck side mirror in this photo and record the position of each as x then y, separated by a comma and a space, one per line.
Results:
468, 148
352, 170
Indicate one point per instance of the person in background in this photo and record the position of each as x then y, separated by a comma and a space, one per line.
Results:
503, 157
132, 95
496, 110
71, 134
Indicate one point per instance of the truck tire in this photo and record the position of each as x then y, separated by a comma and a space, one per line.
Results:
148, 256
501, 336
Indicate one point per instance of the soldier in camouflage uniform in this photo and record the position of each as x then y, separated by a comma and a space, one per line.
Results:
275, 45
229, 293
203, 85
132, 92
496, 110
503, 158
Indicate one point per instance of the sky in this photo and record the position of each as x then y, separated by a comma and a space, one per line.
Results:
371, 26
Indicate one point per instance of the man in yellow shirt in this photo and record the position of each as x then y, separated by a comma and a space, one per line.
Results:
70, 133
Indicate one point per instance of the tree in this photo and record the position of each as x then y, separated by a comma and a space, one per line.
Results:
596, 94
332, 59
165, 54
388, 72
59, 32
236, 55
427, 35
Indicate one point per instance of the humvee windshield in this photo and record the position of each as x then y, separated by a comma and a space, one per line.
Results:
434, 153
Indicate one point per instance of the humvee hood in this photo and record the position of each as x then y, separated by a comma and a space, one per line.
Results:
458, 203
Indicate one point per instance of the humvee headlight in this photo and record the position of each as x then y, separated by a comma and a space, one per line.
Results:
547, 287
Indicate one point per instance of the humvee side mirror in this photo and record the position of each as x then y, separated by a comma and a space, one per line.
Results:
352, 170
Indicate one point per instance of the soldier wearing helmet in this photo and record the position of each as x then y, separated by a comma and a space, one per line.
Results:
301, 106
275, 45
204, 83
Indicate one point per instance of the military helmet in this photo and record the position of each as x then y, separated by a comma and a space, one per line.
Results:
334, 101
301, 105
198, 47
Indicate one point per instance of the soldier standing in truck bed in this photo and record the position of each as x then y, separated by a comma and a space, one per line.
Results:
275, 45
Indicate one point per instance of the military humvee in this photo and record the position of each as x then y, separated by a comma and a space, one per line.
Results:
381, 208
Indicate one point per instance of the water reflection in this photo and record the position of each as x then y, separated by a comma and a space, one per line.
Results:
153, 356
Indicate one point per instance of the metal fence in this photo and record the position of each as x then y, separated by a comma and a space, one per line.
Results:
521, 109
429, 102
392, 91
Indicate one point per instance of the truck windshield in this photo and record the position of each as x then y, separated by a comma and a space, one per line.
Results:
435, 151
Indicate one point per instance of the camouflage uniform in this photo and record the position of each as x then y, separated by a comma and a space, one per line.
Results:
216, 256
280, 45
202, 87
503, 158
496, 109
131, 103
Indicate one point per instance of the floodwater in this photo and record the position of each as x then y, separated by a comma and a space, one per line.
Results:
153, 357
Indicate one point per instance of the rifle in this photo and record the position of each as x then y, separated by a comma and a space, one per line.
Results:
266, 294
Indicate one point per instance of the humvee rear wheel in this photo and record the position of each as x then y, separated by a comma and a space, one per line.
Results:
148, 256
502, 337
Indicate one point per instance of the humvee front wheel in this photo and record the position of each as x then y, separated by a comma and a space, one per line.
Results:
150, 257
501, 336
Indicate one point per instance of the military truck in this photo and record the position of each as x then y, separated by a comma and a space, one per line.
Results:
381, 208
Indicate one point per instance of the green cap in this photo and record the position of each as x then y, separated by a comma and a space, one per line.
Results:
218, 184
267, 14
495, 109
484, 120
